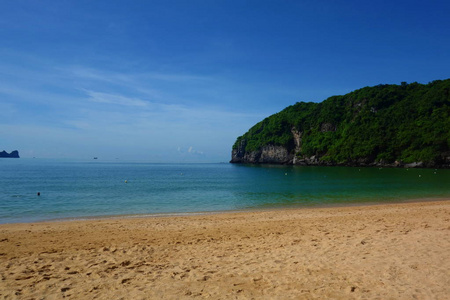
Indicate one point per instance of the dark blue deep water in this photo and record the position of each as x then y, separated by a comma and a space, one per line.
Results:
95, 188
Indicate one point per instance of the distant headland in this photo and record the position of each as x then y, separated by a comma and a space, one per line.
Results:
13, 154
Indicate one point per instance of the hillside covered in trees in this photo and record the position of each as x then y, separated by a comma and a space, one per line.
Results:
395, 125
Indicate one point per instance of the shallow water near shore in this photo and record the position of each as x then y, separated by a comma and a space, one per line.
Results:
96, 188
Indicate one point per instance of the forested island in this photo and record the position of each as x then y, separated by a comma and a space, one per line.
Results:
13, 154
384, 125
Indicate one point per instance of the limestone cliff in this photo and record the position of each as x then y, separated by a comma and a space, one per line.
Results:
268, 154
385, 125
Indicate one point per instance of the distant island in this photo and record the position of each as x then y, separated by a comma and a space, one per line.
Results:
13, 154
406, 125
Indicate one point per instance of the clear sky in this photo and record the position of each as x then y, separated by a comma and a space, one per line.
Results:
178, 81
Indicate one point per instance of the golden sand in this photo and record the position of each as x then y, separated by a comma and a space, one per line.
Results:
397, 251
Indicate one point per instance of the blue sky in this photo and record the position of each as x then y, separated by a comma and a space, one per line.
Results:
178, 81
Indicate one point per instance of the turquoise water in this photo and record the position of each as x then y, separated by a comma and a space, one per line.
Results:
95, 188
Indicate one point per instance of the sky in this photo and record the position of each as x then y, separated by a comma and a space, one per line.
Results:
179, 81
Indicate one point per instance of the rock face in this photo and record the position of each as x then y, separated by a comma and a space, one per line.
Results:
268, 154
13, 154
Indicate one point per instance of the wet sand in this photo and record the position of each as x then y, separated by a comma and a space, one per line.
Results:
396, 251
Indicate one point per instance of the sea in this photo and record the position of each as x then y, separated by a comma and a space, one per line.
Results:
33, 190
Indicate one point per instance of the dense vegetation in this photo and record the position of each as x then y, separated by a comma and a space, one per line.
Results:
387, 123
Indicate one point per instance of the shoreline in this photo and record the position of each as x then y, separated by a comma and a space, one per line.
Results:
244, 210
385, 251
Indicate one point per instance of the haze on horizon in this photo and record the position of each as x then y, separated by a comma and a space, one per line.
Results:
179, 81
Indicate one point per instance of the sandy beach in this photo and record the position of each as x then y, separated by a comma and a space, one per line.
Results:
396, 251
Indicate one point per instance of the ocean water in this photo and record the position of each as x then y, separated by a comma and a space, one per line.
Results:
96, 189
